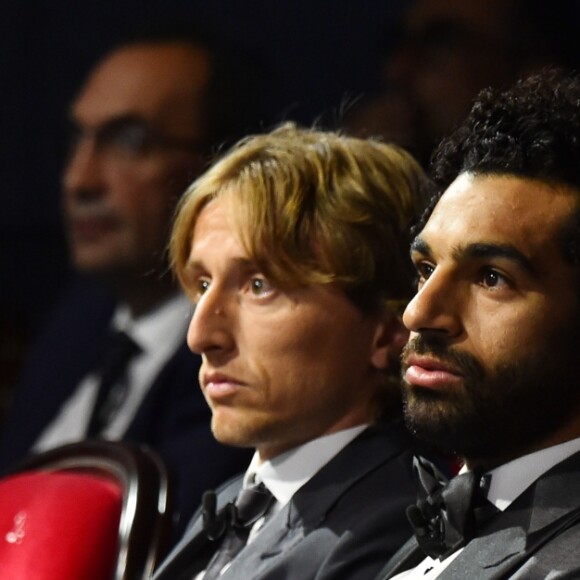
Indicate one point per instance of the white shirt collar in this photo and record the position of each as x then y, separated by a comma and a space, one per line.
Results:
158, 330
509, 480
285, 474
159, 334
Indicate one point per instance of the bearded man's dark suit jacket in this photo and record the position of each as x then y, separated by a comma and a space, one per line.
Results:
537, 536
340, 525
173, 419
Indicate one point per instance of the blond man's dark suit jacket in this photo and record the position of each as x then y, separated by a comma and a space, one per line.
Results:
536, 537
342, 524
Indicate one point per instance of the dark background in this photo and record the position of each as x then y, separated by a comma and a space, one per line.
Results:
326, 53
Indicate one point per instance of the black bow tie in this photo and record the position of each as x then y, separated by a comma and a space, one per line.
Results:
232, 524
250, 505
448, 513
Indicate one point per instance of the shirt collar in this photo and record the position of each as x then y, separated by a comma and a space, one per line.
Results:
286, 473
511, 479
165, 325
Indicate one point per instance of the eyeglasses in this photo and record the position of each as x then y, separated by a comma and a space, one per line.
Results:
130, 138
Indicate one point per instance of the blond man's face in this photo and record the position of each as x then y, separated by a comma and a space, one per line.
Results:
280, 367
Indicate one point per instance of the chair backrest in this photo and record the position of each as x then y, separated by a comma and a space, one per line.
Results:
92, 510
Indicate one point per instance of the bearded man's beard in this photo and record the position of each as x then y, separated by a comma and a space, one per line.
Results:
495, 412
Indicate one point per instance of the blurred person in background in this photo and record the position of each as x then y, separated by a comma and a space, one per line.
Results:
112, 361
448, 50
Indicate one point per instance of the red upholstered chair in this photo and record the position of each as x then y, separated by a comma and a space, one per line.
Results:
93, 510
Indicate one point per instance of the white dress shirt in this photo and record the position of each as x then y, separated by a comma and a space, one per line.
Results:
508, 481
159, 334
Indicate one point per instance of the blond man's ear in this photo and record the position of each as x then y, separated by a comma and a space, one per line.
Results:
389, 340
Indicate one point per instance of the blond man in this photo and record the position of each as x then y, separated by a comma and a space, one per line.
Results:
293, 248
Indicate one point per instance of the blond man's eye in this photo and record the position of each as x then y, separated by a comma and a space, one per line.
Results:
201, 287
260, 286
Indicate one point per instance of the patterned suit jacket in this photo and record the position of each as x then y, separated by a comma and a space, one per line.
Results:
537, 536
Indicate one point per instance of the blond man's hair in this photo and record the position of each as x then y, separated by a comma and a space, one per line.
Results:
316, 207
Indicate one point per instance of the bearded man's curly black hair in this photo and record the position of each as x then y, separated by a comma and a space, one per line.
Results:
531, 131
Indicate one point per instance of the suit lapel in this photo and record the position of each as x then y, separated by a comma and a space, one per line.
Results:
312, 503
195, 548
539, 514
407, 557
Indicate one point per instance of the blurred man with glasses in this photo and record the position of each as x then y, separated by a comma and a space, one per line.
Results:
112, 361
